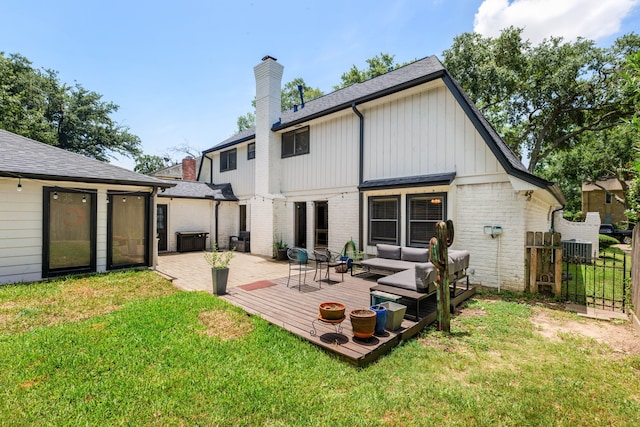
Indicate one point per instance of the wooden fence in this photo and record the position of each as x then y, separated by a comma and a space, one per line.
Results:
543, 262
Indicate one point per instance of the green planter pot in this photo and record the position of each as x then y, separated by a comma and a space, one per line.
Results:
219, 277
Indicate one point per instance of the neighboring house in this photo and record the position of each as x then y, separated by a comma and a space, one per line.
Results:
63, 213
176, 171
381, 162
601, 197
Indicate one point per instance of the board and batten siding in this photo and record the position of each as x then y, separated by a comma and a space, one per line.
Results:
21, 226
332, 161
242, 179
421, 134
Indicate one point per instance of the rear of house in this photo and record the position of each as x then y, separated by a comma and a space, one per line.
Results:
381, 162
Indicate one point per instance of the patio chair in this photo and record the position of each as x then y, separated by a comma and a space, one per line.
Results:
241, 243
330, 259
298, 261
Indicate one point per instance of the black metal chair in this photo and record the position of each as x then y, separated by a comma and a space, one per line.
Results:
330, 259
298, 261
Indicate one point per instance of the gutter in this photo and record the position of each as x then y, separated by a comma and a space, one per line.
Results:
360, 176
216, 223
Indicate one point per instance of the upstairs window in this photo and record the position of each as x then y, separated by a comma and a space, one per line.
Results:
295, 143
251, 151
228, 160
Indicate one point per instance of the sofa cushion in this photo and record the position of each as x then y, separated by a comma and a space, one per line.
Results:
408, 279
387, 264
425, 274
388, 251
415, 254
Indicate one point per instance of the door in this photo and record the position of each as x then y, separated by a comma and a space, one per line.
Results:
322, 225
301, 224
161, 219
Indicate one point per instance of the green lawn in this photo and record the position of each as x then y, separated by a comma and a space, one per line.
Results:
128, 349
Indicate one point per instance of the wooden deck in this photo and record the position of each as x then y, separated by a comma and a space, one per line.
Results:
295, 310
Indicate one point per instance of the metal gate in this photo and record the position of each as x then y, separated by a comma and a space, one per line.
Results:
602, 283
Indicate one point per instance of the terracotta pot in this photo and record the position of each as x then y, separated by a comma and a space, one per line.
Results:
332, 310
363, 322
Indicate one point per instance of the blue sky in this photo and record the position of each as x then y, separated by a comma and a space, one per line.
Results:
182, 72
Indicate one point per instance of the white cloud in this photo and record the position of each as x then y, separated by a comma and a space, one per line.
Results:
590, 19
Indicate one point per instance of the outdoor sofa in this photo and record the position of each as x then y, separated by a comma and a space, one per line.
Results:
410, 268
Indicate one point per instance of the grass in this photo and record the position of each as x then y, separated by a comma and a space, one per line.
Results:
134, 351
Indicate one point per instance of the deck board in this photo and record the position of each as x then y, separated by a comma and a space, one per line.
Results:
295, 311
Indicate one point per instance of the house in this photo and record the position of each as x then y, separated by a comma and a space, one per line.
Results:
63, 213
193, 207
381, 162
175, 171
601, 196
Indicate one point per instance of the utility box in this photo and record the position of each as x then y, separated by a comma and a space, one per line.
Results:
578, 251
190, 241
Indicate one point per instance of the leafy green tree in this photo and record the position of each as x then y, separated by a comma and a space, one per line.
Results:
378, 65
147, 163
35, 104
632, 86
542, 98
290, 96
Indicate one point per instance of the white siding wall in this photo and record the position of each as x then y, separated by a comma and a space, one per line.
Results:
425, 133
21, 227
187, 215
332, 161
497, 261
242, 179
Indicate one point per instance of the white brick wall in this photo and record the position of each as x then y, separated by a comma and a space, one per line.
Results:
343, 220
587, 230
498, 262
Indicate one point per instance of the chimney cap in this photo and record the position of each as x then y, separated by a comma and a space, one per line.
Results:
269, 57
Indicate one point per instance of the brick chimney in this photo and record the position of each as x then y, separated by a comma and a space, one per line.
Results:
189, 169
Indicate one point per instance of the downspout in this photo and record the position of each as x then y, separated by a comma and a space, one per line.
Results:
360, 176
210, 169
216, 223
553, 215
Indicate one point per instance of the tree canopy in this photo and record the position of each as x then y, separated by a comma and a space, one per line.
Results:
290, 96
378, 65
148, 163
34, 103
542, 98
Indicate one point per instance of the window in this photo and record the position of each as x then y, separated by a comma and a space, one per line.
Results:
228, 160
295, 143
251, 151
608, 198
384, 226
69, 232
127, 230
423, 213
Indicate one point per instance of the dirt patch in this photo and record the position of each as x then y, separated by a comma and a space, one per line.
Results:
620, 337
225, 325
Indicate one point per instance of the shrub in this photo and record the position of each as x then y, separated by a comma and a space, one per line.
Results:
606, 241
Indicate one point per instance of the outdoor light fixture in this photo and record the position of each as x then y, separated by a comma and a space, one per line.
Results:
55, 195
84, 199
124, 199
436, 201
19, 184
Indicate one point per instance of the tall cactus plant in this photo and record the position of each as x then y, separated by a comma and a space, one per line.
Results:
439, 253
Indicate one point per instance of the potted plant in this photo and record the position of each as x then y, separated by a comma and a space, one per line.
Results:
280, 249
219, 262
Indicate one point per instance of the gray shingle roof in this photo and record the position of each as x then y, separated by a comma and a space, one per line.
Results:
26, 158
199, 190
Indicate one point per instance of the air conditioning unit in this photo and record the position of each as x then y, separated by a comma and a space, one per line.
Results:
578, 251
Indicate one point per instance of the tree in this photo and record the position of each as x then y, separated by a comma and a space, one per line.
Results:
147, 163
632, 86
542, 98
35, 104
378, 65
290, 96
